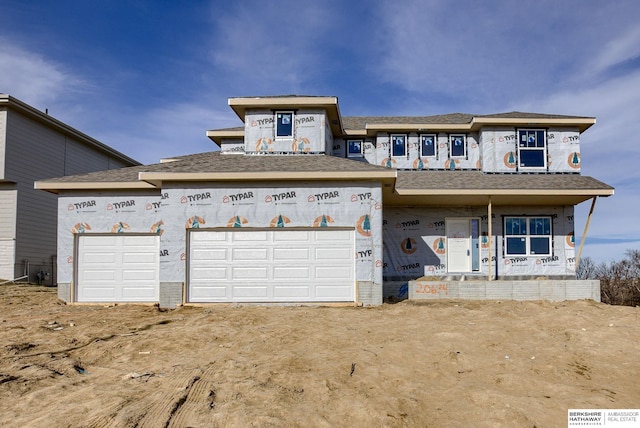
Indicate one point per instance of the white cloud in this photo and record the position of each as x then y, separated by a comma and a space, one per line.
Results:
622, 48
33, 78
175, 130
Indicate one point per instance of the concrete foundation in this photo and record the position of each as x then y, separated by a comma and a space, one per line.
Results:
553, 290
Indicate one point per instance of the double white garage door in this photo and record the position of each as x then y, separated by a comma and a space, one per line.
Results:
224, 265
271, 265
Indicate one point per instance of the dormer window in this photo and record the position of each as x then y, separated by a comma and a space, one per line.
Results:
398, 145
354, 148
284, 124
532, 149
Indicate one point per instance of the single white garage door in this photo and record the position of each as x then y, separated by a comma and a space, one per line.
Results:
272, 265
118, 268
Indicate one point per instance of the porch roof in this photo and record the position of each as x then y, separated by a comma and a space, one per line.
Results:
472, 188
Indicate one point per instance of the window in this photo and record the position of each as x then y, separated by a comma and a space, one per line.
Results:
398, 145
284, 124
354, 148
532, 149
457, 146
428, 145
527, 236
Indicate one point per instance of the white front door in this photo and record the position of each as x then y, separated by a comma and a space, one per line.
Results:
458, 245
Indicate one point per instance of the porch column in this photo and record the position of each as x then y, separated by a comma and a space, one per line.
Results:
586, 229
490, 237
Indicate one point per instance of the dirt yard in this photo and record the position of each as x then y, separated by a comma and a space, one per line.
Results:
441, 364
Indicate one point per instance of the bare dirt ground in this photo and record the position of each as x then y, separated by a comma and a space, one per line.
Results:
440, 364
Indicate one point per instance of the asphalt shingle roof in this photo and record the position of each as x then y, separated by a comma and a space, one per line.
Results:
218, 162
471, 180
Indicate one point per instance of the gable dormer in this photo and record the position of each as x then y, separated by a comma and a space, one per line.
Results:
285, 124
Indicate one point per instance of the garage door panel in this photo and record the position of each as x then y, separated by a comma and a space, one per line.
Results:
333, 272
246, 272
252, 292
139, 275
289, 273
210, 292
298, 293
138, 292
252, 236
135, 258
291, 236
99, 275
333, 254
129, 271
272, 265
209, 273
98, 258
257, 254
209, 254
327, 291
291, 254
99, 294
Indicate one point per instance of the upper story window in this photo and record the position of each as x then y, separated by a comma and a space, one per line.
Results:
532, 149
284, 124
354, 148
458, 146
527, 236
428, 143
398, 145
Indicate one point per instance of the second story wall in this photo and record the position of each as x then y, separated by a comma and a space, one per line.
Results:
502, 151
286, 131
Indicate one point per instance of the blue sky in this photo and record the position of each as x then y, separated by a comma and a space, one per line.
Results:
150, 77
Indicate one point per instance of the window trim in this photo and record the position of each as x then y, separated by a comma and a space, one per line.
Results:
406, 151
355, 155
464, 146
293, 125
544, 149
435, 145
527, 236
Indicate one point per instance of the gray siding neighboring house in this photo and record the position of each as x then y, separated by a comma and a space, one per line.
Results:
35, 146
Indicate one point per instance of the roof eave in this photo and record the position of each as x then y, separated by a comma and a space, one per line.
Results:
157, 178
218, 135
330, 104
582, 123
57, 187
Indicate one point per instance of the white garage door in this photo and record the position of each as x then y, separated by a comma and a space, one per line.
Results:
118, 268
301, 265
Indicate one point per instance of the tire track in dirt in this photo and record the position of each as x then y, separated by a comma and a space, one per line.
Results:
164, 408
199, 400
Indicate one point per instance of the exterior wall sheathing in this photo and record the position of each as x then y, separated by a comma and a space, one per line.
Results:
176, 209
415, 243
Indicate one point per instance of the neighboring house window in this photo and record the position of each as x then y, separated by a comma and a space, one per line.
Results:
532, 149
428, 145
354, 148
398, 145
527, 236
284, 124
457, 146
